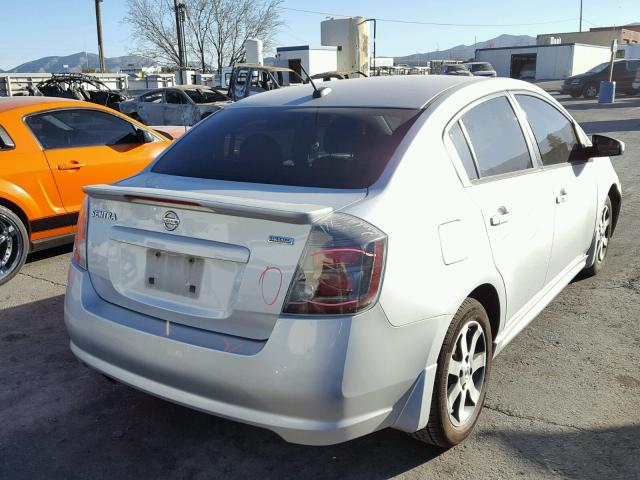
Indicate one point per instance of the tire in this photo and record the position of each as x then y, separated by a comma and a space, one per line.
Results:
444, 428
601, 237
14, 244
590, 90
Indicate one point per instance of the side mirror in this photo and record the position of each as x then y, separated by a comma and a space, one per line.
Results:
166, 135
143, 136
606, 146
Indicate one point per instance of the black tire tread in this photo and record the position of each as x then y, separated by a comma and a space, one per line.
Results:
594, 269
25, 240
433, 433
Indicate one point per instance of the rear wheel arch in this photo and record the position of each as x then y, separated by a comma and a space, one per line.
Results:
488, 297
18, 211
616, 203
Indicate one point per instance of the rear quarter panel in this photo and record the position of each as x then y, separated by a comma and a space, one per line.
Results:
25, 178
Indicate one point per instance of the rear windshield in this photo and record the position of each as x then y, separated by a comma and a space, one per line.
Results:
481, 67
307, 147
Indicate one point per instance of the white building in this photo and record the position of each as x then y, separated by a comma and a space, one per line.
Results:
628, 50
313, 59
381, 62
544, 62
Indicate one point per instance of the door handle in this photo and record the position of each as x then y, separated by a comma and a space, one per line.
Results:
73, 165
562, 196
503, 216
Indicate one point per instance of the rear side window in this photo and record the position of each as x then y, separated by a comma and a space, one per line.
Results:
153, 97
80, 128
311, 147
174, 97
496, 137
554, 133
462, 148
6, 143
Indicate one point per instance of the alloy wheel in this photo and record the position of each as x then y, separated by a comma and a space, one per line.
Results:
604, 233
591, 91
11, 246
466, 373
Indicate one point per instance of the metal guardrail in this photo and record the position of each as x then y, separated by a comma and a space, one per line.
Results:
19, 83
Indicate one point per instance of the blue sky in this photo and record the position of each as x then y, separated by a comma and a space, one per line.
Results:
38, 28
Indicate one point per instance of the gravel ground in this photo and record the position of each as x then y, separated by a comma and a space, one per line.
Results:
563, 402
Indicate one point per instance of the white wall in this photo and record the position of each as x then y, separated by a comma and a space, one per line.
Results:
554, 63
585, 57
313, 60
322, 61
501, 58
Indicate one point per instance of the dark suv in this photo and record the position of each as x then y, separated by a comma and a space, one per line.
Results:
588, 84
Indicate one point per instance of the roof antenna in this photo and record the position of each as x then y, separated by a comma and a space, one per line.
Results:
317, 92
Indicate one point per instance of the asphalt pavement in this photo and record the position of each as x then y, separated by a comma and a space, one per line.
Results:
563, 401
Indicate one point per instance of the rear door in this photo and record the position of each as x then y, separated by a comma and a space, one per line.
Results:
178, 109
574, 184
150, 107
86, 146
510, 190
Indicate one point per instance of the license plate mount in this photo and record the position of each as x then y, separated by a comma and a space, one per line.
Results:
174, 273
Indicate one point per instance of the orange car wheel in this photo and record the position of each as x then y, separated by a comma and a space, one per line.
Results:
14, 244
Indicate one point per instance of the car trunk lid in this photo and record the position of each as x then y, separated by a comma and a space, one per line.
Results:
216, 257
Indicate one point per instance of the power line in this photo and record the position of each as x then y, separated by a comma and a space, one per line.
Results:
416, 22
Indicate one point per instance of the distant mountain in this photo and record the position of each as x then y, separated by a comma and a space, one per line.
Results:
78, 61
466, 52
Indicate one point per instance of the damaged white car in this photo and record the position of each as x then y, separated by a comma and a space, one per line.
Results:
180, 105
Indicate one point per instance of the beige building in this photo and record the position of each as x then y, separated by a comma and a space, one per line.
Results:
596, 36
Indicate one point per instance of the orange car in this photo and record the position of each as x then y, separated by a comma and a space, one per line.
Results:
49, 149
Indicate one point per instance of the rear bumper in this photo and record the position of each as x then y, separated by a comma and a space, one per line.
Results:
314, 381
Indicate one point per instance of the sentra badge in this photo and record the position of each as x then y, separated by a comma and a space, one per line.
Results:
104, 215
281, 239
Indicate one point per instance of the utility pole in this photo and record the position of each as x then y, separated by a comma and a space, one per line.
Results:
580, 15
180, 10
102, 68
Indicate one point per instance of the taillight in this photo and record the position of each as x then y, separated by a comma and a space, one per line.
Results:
80, 243
341, 269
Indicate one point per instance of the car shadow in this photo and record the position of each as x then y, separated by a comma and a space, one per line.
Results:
626, 102
50, 252
630, 125
63, 420
578, 453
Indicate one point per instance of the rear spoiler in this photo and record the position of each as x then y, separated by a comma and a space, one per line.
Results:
300, 214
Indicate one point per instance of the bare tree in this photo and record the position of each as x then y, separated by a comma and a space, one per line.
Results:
153, 24
215, 29
235, 21
199, 25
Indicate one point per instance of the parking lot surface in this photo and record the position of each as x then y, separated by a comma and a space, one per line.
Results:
563, 401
